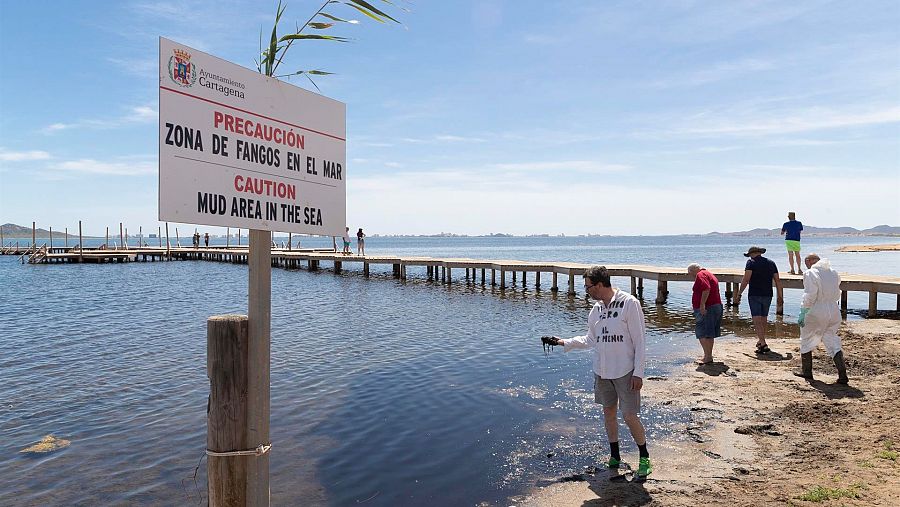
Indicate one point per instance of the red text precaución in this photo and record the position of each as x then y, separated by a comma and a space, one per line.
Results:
262, 131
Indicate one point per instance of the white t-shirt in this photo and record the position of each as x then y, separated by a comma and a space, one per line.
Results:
616, 333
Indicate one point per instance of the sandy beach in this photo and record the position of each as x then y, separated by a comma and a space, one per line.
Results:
869, 248
760, 436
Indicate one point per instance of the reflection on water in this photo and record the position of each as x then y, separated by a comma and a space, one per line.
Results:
388, 392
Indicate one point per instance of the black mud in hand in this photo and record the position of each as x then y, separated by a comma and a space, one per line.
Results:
548, 342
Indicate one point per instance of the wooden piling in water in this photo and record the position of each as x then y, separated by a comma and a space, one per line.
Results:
228, 369
555, 286
873, 303
571, 282
662, 291
844, 302
80, 244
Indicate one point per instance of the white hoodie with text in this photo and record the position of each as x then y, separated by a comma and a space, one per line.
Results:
616, 335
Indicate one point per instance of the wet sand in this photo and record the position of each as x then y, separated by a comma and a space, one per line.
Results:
761, 436
869, 248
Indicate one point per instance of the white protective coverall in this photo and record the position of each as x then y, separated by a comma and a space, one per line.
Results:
821, 292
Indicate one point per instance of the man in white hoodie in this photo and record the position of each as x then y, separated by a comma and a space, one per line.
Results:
820, 316
616, 335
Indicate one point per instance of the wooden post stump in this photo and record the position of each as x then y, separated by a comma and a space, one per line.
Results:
555, 286
844, 302
873, 303
502, 278
571, 282
228, 412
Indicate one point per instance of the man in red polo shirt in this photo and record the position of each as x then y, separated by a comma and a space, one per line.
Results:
707, 305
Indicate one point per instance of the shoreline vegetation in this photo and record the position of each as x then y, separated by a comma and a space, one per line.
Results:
758, 435
13, 231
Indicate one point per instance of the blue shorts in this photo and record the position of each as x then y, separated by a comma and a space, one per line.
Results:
709, 325
759, 305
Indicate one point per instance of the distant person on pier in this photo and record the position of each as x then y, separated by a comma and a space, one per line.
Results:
791, 232
760, 273
707, 304
206, 239
820, 316
616, 335
346, 239
360, 242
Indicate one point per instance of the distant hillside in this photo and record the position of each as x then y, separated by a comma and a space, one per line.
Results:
13, 231
808, 230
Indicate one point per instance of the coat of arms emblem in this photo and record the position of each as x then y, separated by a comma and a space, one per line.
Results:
181, 70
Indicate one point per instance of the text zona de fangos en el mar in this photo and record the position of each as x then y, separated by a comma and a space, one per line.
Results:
216, 204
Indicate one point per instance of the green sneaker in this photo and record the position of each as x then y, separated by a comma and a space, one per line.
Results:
644, 467
613, 463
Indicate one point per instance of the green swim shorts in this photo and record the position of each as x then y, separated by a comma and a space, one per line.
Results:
792, 246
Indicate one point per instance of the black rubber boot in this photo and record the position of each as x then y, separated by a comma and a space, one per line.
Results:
841, 368
806, 366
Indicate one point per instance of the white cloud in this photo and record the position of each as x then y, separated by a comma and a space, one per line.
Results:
458, 139
582, 166
135, 115
744, 121
142, 114
147, 67
719, 72
384, 203
22, 156
442, 138
123, 166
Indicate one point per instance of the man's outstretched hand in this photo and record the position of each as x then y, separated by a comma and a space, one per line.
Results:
550, 340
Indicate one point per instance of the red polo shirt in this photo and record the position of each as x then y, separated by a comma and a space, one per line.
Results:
706, 281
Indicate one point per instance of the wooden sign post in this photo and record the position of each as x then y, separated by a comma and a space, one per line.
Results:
300, 187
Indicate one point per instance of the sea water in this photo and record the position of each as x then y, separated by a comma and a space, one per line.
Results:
383, 391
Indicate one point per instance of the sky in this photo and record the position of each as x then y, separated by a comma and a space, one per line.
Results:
487, 116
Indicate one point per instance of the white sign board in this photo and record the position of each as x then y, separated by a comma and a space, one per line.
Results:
239, 149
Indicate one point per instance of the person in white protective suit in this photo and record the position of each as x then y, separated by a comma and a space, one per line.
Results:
820, 316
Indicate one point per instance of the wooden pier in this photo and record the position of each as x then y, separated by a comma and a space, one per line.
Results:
505, 274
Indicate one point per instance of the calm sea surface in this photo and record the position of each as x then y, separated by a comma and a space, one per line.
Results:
384, 392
